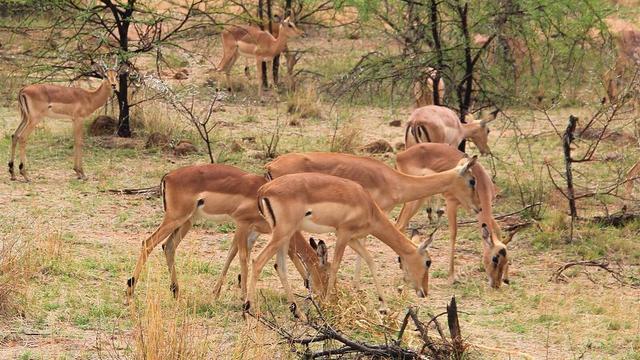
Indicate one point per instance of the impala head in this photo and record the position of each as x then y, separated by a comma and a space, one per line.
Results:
288, 27
323, 254
112, 73
478, 131
464, 187
494, 258
416, 266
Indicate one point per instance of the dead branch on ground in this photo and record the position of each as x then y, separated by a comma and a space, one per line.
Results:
604, 264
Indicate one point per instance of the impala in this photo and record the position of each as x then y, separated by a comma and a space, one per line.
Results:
320, 203
429, 158
252, 42
386, 186
220, 193
440, 124
44, 100
423, 89
632, 176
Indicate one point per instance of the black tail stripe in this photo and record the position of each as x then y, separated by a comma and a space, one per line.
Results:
162, 191
426, 133
273, 216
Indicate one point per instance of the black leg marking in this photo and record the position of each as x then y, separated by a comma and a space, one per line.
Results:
293, 308
380, 299
131, 281
275, 266
506, 281
239, 279
174, 290
21, 167
246, 306
307, 284
163, 246
440, 212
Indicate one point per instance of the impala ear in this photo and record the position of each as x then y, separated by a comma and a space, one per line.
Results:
486, 235
98, 67
313, 244
277, 18
422, 249
468, 165
286, 19
492, 116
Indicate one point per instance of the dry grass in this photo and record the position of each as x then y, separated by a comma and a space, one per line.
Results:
305, 103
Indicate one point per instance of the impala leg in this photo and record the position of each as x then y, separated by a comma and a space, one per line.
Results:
241, 239
14, 143
77, 148
278, 239
408, 211
230, 256
169, 248
341, 244
162, 232
281, 268
259, 77
364, 253
452, 212
22, 147
356, 272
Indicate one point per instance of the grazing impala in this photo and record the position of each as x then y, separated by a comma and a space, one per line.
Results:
429, 158
387, 187
320, 203
220, 193
423, 89
44, 100
440, 124
252, 42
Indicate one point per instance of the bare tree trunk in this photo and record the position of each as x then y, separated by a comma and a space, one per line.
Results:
435, 33
265, 82
567, 138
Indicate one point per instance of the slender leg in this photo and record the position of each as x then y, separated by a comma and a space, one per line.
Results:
341, 244
259, 76
452, 211
164, 230
240, 238
364, 253
408, 211
279, 239
170, 252
281, 268
77, 148
14, 142
230, 256
22, 145
356, 272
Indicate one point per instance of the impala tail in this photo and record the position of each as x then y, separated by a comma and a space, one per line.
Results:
268, 215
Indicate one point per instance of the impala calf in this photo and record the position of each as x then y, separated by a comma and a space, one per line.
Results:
386, 186
39, 101
252, 42
429, 158
320, 203
439, 124
219, 193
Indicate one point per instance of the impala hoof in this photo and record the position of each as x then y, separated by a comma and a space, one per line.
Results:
246, 306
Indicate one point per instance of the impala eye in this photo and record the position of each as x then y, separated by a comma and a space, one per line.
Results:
472, 182
427, 263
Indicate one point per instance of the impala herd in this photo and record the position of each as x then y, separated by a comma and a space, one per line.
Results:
314, 192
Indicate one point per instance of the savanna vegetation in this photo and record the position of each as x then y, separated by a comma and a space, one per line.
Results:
565, 197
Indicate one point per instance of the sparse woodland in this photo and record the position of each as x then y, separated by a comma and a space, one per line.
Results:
546, 222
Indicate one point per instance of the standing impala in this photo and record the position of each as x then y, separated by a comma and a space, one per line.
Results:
320, 203
440, 124
423, 88
220, 193
43, 100
429, 158
252, 42
387, 187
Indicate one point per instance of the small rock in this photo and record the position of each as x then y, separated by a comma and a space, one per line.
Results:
378, 147
181, 74
294, 122
184, 147
236, 146
103, 125
157, 139
400, 146
396, 123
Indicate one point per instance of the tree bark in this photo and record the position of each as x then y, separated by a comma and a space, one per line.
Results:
567, 139
265, 82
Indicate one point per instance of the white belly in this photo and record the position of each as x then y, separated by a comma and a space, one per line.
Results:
216, 218
309, 226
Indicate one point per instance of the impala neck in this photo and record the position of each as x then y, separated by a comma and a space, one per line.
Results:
416, 187
100, 95
281, 40
468, 129
384, 230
